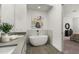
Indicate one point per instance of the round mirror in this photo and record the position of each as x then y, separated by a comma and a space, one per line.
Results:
67, 25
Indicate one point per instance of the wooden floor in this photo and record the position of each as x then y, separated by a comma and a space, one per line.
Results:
71, 47
45, 49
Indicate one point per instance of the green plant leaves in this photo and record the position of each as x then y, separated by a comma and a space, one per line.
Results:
5, 27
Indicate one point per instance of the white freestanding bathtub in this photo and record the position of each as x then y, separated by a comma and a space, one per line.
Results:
38, 40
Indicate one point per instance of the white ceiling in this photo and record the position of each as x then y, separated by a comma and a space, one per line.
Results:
43, 7
71, 7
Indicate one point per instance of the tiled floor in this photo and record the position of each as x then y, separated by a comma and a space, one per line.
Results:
45, 49
71, 47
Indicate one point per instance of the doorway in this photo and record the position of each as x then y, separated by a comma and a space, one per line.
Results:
71, 28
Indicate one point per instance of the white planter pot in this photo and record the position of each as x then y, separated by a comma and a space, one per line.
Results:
5, 38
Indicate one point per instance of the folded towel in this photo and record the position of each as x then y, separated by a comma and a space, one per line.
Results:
12, 37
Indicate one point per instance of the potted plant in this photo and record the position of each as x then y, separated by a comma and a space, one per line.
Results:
5, 27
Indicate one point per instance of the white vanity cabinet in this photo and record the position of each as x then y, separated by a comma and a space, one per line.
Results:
14, 14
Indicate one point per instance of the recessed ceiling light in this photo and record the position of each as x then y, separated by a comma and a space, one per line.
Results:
39, 7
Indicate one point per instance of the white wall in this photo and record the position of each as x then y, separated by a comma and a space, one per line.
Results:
7, 13
15, 14
55, 24
76, 24
20, 18
35, 13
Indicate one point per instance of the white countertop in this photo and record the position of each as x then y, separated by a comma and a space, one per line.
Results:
13, 49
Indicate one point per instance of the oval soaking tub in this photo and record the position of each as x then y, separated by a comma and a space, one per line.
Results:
38, 40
